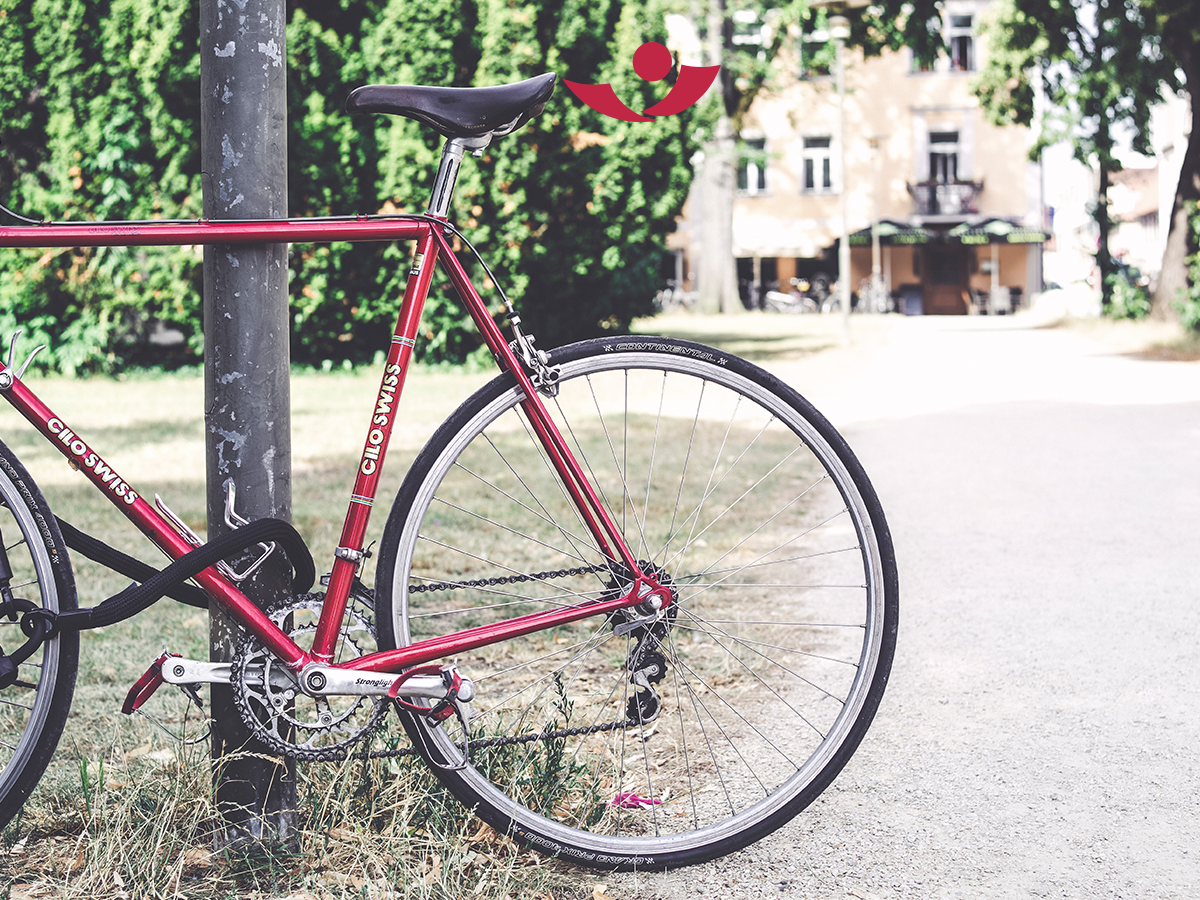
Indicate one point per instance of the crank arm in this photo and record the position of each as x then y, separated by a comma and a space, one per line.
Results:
178, 670
321, 680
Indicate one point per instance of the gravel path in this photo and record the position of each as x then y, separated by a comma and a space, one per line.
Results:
1039, 737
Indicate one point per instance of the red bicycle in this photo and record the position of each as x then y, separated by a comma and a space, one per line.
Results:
635, 602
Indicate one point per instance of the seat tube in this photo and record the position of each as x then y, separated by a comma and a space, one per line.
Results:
366, 482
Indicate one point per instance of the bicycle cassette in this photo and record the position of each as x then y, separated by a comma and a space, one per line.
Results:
280, 714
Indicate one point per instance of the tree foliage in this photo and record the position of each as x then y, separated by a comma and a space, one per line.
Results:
1100, 65
100, 104
1098, 68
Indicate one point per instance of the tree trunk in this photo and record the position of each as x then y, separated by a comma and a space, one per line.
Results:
1103, 257
1172, 280
717, 270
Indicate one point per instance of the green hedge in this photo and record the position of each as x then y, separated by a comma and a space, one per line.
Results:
99, 104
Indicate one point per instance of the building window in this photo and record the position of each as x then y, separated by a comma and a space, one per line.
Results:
962, 44
749, 32
818, 164
814, 49
958, 32
916, 64
752, 172
943, 156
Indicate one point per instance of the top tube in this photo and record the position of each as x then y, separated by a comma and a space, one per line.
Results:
160, 233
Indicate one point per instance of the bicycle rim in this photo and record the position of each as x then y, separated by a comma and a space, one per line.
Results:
669, 742
34, 708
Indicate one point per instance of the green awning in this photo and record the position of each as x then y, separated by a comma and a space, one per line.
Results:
892, 233
995, 231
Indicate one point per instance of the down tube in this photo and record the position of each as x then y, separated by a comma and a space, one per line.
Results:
83, 457
608, 537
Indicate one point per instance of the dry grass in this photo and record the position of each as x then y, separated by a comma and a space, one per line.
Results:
126, 810
139, 824
1149, 339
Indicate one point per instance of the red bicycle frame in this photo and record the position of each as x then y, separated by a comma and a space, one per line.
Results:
432, 250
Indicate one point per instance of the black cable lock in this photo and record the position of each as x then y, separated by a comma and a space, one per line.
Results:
138, 597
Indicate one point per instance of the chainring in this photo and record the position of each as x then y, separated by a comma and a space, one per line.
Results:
269, 699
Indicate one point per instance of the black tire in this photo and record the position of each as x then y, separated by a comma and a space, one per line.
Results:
34, 709
763, 679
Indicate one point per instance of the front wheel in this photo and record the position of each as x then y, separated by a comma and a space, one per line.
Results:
648, 744
33, 708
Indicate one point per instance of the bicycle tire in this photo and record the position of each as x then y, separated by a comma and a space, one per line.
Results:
33, 712
773, 671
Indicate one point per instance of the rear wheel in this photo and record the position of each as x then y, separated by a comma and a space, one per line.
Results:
33, 709
620, 743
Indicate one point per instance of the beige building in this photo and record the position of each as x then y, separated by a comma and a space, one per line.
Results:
958, 201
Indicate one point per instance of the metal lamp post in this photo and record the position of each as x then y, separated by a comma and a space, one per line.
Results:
839, 30
877, 288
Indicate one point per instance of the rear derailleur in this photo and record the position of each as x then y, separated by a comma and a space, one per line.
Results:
646, 664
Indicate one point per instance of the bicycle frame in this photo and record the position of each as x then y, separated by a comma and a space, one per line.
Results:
432, 250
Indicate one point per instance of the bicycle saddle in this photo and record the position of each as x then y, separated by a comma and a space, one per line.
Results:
458, 112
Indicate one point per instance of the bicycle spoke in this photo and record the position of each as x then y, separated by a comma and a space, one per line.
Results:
653, 452
744, 495
619, 468
509, 496
597, 483
546, 462
673, 732
748, 642
510, 530
772, 562
492, 562
687, 764
712, 690
790, 540
557, 481
683, 473
776, 663
736, 546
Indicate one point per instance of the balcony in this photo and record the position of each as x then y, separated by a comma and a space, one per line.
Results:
952, 198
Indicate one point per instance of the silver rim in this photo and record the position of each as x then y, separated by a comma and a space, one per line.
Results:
25, 705
782, 590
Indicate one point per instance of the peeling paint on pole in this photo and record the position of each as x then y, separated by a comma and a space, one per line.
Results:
243, 120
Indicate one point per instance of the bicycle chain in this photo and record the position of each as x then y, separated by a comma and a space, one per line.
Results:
504, 579
506, 741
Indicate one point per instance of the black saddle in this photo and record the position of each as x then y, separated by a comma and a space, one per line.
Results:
457, 112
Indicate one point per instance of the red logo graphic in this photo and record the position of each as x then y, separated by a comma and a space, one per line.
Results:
652, 62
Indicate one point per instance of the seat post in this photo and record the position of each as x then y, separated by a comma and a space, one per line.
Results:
452, 157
